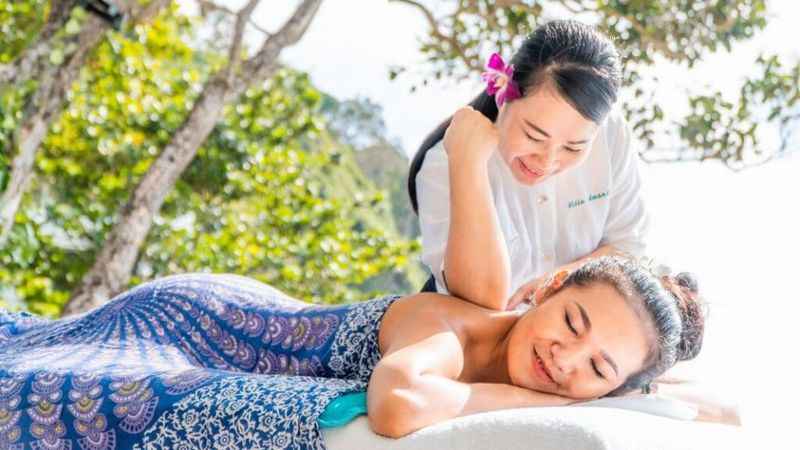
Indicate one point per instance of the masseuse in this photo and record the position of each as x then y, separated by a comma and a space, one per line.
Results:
535, 175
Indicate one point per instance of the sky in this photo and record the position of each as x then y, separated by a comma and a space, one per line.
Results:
351, 44
738, 232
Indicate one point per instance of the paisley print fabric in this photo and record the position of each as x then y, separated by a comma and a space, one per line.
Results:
187, 361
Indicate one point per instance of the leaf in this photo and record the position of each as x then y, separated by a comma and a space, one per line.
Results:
57, 56
73, 27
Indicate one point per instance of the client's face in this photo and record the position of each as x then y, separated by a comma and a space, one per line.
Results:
579, 342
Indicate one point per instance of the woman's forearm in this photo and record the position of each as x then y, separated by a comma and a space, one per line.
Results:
476, 264
603, 250
432, 399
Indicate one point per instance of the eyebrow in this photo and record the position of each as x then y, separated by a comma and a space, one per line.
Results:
530, 124
588, 324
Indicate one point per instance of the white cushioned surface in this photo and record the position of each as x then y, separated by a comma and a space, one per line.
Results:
550, 428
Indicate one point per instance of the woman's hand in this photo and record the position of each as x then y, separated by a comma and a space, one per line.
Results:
538, 288
525, 293
471, 137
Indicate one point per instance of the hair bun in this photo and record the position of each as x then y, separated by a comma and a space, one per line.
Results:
687, 280
683, 287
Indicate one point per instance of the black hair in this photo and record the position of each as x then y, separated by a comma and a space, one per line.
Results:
574, 58
669, 303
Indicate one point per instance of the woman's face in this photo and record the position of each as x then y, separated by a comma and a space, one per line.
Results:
580, 342
542, 135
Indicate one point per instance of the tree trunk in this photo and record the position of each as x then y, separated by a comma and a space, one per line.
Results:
48, 100
45, 105
112, 269
33, 59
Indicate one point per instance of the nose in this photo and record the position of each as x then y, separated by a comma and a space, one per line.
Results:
545, 158
567, 357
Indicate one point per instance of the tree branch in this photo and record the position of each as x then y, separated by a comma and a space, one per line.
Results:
206, 6
143, 13
265, 61
26, 64
242, 17
112, 268
47, 102
471, 62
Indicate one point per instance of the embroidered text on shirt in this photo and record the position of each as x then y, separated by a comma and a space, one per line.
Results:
592, 197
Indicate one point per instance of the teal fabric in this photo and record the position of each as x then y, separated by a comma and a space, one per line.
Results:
343, 410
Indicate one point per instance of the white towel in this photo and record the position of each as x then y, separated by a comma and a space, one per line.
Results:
547, 428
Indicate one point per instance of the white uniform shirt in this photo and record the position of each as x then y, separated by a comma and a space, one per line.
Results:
551, 223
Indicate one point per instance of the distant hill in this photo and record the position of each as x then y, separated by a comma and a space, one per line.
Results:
387, 167
369, 162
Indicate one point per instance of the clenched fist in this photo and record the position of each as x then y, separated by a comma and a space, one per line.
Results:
470, 138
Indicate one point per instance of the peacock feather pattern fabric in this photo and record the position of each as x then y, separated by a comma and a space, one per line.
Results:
186, 361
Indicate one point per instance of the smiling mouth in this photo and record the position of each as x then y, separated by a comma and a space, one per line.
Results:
533, 172
540, 363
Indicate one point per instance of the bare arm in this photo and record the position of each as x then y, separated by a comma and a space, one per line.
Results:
416, 383
524, 292
476, 266
603, 250
414, 402
476, 262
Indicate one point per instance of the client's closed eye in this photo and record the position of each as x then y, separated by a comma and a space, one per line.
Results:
569, 323
596, 370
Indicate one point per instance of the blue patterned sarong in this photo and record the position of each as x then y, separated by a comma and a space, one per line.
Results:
186, 361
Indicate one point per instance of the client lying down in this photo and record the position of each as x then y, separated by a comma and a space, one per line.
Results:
203, 360
608, 328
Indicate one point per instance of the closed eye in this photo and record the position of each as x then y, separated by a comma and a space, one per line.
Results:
594, 366
532, 138
569, 149
569, 323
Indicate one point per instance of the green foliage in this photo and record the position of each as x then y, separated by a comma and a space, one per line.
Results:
271, 194
359, 123
684, 32
269, 199
19, 22
716, 128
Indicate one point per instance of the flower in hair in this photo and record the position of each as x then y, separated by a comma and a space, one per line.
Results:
499, 79
655, 267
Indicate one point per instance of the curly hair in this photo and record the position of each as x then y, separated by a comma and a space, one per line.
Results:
669, 304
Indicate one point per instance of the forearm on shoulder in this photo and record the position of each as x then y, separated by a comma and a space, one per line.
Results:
477, 265
603, 250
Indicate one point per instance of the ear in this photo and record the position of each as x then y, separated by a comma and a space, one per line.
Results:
550, 286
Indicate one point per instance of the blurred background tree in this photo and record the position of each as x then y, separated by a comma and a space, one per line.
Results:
293, 186
463, 33
271, 194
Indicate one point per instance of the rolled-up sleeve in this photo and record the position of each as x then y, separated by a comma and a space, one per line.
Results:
628, 220
433, 198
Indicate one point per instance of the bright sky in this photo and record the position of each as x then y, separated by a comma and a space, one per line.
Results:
349, 56
737, 231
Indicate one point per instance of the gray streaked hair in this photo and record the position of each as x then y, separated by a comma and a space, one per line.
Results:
669, 304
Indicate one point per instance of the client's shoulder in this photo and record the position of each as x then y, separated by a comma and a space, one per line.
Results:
437, 305
432, 312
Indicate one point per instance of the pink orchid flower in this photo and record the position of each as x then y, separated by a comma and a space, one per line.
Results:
499, 80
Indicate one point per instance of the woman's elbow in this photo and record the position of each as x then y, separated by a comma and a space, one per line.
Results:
389, 428
392, 416
497, 297
492, 294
